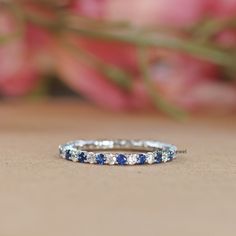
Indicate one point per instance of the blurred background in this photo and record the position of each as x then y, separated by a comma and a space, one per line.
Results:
173, 56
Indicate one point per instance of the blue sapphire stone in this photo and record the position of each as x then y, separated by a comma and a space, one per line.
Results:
141, 159
100, 158
121, 159
82, 157
68, 154
158, 157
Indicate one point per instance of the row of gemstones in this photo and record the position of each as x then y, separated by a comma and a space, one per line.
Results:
119, 158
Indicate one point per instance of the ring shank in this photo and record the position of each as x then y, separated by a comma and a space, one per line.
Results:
129, 151
126, 145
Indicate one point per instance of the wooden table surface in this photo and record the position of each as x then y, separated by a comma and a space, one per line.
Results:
41, 194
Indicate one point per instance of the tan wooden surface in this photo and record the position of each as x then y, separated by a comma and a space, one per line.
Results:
41, 194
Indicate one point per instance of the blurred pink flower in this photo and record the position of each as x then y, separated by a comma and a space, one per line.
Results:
20, 83
148, 12
85, 79
180, 79
89, 8
161, 12
193, 85
222, 8
17, 75
21, 59
210, 97
153, 12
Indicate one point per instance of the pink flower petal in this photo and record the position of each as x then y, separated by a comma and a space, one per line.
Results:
20, 83
167, 12
213, 97
89, 8
82, 78
222, 8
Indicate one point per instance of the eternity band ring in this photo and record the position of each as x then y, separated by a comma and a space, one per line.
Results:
118, 152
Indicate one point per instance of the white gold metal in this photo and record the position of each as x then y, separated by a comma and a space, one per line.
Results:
121, 152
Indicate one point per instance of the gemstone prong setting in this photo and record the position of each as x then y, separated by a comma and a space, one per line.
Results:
132, 152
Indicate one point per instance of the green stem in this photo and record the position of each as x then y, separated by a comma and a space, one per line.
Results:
96, 24
209, 28
111, 72
203, 51
138, 38
15, 11
157, 99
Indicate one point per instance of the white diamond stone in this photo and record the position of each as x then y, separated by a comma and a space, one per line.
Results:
132, 159
91, 157
63, 153
173, 149
165, 157
74, 155
110, 158
150, 158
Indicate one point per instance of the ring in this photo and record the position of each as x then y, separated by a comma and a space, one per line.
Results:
131, 152
118, 152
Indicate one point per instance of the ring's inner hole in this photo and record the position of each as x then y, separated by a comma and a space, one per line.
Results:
117, 145
116, 150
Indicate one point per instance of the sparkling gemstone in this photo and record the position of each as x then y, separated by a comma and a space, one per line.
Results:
158, 156
68, 154
100, 158
141, 158
74, 155
168, 154
132, 159
91, 158
150, 158
82, 156
110, 158
61, 153
121, 159
165, 157
172, 153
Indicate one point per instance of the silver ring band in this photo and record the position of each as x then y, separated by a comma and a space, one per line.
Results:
118, 152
